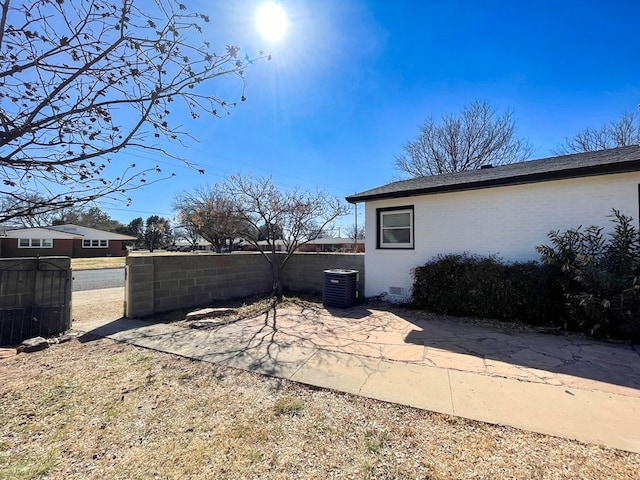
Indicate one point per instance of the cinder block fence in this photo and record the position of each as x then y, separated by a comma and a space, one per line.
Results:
160, 283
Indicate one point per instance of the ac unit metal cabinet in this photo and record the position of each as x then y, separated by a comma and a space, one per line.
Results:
340, 288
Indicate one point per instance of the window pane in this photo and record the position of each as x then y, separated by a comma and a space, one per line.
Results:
396, 235
95, 243
86, 243
396, 220
47, 242
24, 242
103, 243
35, 242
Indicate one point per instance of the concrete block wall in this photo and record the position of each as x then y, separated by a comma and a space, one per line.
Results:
304, 272
159, 283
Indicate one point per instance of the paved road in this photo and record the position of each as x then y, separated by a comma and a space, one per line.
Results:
98, 279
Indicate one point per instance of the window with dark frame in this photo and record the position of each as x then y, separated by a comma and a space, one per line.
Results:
86, 243
395, 227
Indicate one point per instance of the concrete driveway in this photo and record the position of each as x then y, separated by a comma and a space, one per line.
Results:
565, 386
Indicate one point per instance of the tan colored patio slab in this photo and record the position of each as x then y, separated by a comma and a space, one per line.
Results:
460, 361
403, 353
413, 385
588, 416
336, 371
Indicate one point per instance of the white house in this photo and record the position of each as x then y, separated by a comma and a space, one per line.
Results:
506, 210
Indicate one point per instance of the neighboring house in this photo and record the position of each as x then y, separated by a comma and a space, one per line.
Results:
325, 244
330, 244
184, 245
66, 240
264, 245
506, 210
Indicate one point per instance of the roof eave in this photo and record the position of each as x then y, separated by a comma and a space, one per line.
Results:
578, 172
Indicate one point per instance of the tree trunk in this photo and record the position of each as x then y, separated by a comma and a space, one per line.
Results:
277, 282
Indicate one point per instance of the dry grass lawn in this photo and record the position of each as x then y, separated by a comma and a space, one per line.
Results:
98, 409
98, 262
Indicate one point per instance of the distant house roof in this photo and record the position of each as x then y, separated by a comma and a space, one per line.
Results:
319, 241
615, 160
90, 233
66, 231
36, 232
334, 241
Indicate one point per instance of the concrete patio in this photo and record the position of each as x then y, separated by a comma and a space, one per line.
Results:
570, 387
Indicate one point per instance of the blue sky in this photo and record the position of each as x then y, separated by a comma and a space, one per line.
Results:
352, 81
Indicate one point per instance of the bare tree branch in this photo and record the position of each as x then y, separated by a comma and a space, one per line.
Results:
81, 80
211, 214
618, 133
292, 218
475, 137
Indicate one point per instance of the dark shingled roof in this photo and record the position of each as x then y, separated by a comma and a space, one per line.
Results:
603, 162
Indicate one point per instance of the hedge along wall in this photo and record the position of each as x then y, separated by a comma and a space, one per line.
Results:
160, 283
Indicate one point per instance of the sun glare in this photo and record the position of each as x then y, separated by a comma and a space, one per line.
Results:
272, 21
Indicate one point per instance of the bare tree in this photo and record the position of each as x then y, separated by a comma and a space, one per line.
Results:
37, 217
80, 80
91, 217
186, 232
618, 133
211, 214
356, 233
475, 137
296, 216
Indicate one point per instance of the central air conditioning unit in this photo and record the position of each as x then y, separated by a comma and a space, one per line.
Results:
340, 288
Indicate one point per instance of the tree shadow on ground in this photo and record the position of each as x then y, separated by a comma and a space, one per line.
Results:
281, 337
533, 350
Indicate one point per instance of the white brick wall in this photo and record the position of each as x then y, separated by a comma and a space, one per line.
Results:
507, 221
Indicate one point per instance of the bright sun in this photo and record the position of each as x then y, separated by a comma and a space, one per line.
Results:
272, 21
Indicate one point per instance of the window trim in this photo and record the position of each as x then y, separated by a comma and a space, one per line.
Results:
95, 243
42, 243
380, 212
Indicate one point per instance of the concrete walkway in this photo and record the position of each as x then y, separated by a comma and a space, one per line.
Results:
569, 387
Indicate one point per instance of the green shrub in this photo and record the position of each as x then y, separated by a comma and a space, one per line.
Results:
533, 295
599, 278
586, 282
438, 284
470, 285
